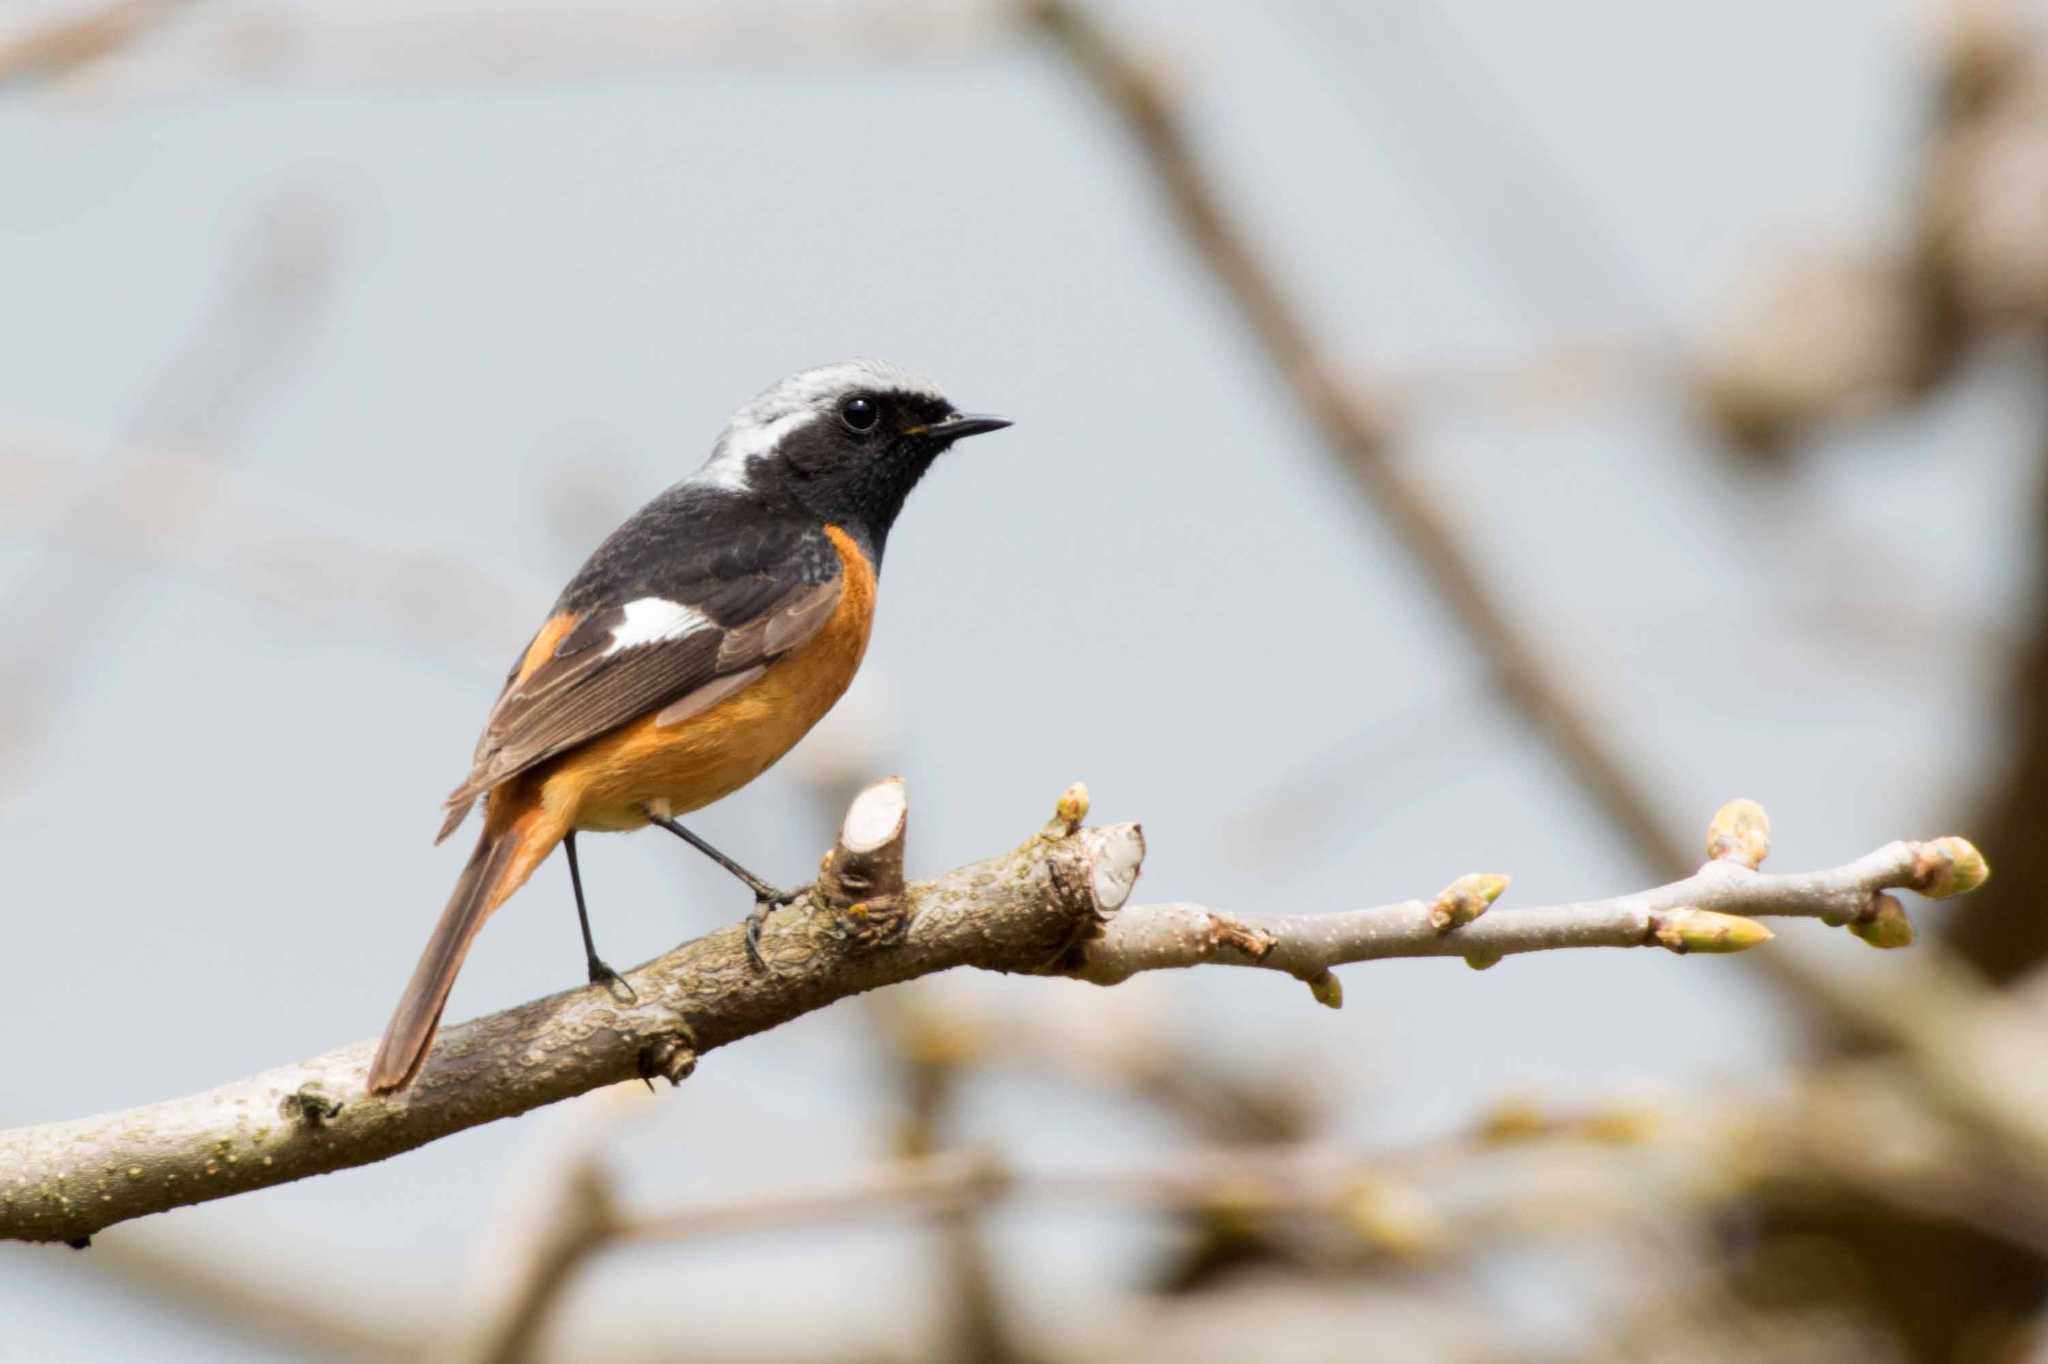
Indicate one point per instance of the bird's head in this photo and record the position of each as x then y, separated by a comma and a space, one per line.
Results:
846, 442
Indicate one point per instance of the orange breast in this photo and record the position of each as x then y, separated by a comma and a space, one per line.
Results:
685, 766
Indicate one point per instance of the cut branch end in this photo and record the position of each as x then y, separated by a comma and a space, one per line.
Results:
865, 867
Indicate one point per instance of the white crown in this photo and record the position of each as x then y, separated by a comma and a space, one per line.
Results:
781, 408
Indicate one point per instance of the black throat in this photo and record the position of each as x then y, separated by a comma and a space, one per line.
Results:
864, 493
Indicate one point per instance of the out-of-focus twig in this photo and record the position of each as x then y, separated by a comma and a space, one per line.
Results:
560, 1215
1840, 338
1264, 1183
1983, 226
162, 472
535, 45
1834, 336
1250, 1181
928, 1071
1462, 135
1840, 1128
1358, 435
1361, 440
193, 1276
60, 46
442, 608
239, 357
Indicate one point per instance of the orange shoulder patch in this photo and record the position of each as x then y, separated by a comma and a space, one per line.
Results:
544, 644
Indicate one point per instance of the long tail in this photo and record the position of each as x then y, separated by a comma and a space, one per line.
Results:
505, 856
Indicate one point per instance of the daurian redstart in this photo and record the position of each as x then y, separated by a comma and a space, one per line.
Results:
698, 644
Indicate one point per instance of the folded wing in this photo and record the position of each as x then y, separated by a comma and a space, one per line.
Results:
682, 645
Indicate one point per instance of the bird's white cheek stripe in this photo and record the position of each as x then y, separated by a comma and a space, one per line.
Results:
727, 467
651, 620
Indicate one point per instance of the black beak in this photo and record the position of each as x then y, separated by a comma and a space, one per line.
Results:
962, 424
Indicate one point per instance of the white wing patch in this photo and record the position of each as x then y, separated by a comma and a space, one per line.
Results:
650, 620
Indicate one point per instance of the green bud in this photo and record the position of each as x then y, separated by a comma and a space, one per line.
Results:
1465, 899
1705, 930
1886, 926
1740, 832
1949, 866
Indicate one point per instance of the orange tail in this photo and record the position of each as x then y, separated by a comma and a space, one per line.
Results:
505, 856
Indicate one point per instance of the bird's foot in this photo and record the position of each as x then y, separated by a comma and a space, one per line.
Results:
767, 899
614, 983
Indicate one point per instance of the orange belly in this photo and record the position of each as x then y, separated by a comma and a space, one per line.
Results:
608, 783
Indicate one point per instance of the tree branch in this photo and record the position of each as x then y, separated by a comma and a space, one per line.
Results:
1697, 914
1019, 911
1055, 904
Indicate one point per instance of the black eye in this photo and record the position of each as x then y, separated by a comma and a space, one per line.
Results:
860, 414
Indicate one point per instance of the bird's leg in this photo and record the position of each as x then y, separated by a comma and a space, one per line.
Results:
600, 974
767, 899
763, 892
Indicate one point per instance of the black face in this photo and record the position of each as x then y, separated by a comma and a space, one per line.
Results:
855, 465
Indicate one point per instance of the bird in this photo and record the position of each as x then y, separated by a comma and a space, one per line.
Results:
694, 647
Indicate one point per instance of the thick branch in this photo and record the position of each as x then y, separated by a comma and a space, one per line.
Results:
1050, 905
1015, 912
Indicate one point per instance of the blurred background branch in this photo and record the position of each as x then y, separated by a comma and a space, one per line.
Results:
1359, 437
68, 42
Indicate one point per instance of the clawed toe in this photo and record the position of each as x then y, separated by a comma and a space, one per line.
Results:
756, 921
614, 983
767, 900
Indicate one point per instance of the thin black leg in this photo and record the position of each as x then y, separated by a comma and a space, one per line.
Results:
767, 899
762, 890
600, 974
